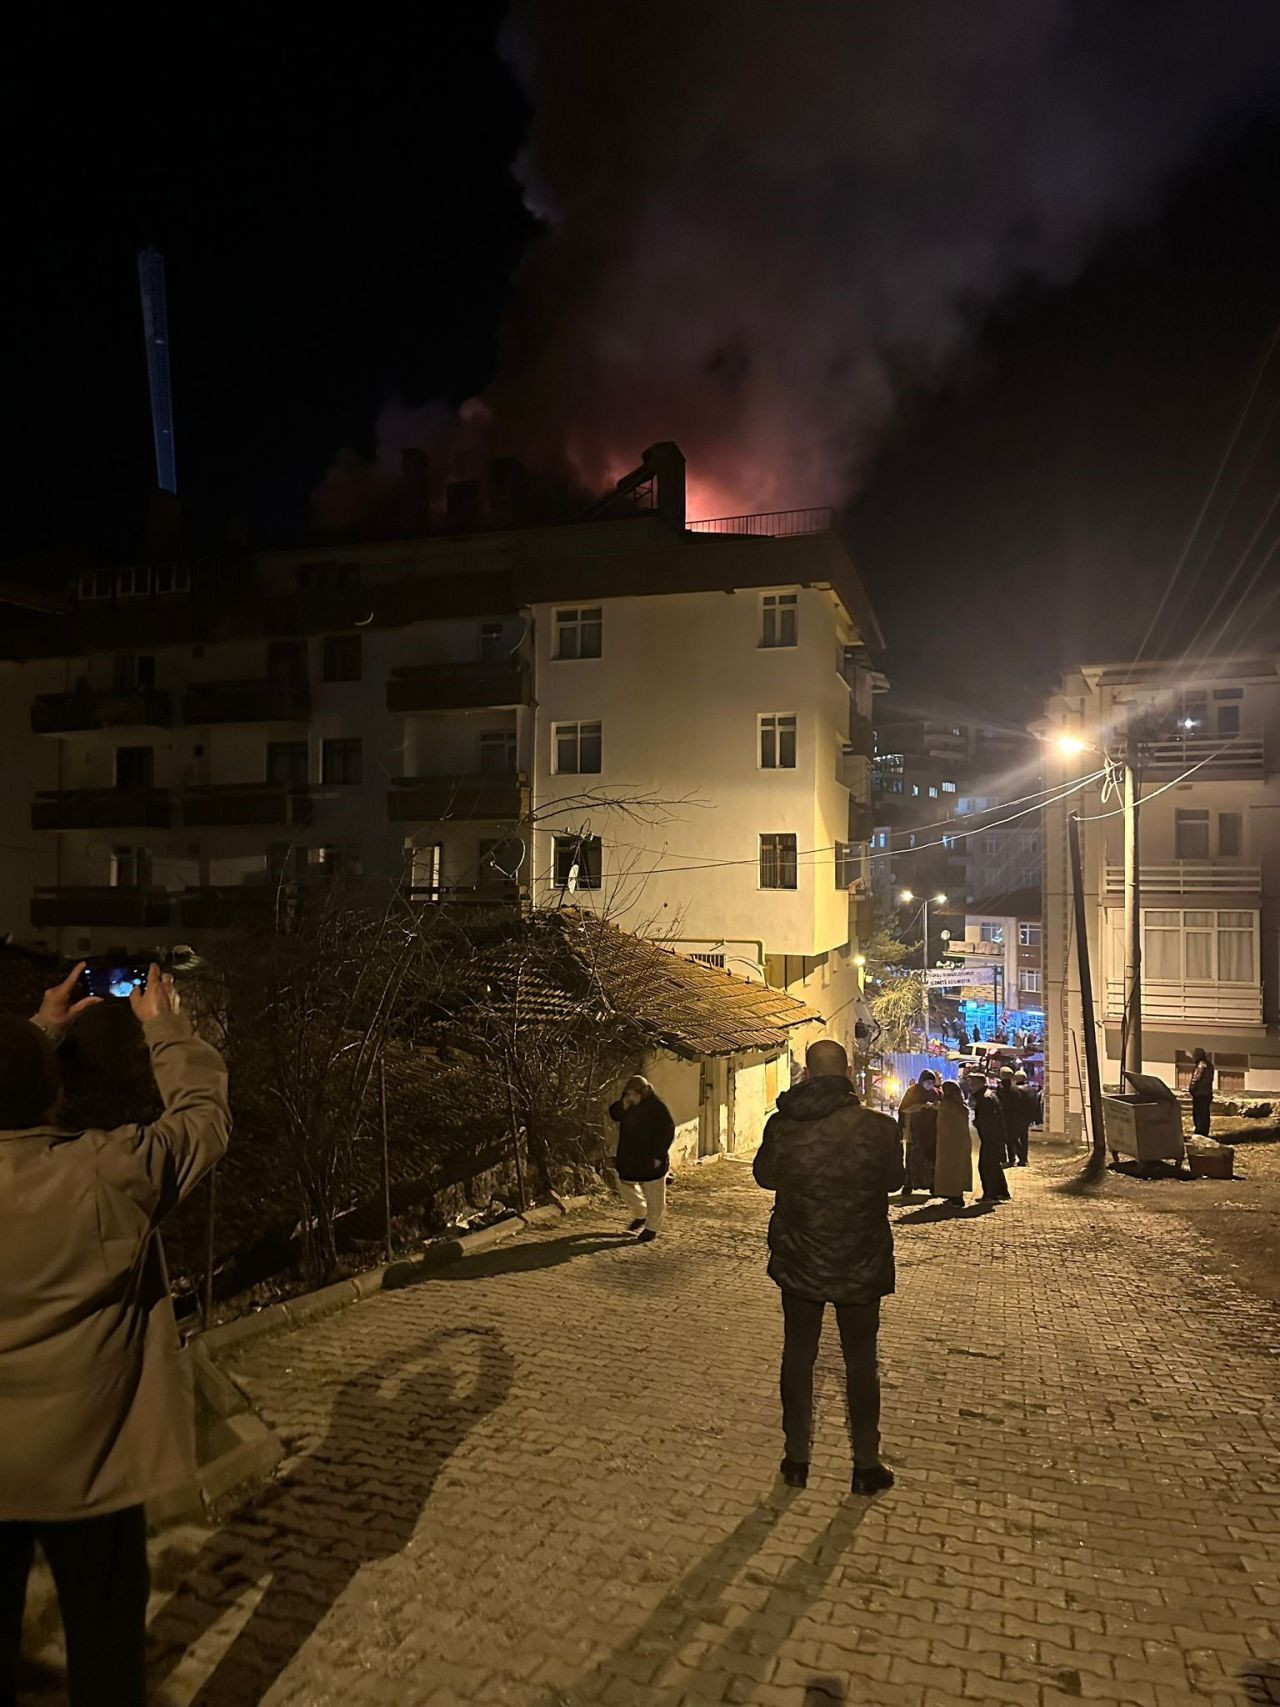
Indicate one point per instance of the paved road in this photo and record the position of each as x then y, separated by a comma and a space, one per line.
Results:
547, 1477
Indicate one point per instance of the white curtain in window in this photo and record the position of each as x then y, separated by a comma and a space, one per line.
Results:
1235, 948
1162, 945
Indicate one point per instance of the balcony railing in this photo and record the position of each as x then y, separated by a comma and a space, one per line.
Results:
1189, 877
1213, 755
227, 906
252, 803
774, 524
247, 702
1225, 1006
102, 809
68, 713
428, 799
52, 907
861, 741
500, 894
457, 687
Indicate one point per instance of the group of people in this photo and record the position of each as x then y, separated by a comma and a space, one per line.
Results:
935, 1123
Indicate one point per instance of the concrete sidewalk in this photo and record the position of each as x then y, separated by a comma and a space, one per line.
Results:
547, 1476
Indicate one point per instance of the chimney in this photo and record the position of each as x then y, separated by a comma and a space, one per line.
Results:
665, 462
415, 493
462, 506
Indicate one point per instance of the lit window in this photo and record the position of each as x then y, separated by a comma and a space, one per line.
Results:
1029, 981
579, 632
1199, 946
992, 931
933, 791
1029, 936
948, 788
915, 788
426, 866
778, 862
577, 862
778, 619
777, 742
576, 748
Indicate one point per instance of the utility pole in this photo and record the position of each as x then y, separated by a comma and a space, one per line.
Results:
1132, 1052
1094, 1076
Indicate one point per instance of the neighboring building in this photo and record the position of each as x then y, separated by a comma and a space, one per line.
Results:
1210, 872
1003, 944
670, 722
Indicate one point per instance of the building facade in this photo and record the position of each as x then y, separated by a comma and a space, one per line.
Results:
1209, 823
670, 724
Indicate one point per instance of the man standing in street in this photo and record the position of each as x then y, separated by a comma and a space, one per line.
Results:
1201, 1089
1017, 1107
831, 1164
646, 1133
993, 1142
96, 1413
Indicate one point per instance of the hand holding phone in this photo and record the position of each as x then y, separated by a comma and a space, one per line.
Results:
156, 998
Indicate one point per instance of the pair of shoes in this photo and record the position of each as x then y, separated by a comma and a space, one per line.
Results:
636, 1225
647, 1237
987, 1199
956, 1202
794, 1472
872, 1481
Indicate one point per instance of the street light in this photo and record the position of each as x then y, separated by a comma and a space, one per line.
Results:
938, 900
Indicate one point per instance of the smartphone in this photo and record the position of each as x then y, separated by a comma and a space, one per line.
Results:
106, 976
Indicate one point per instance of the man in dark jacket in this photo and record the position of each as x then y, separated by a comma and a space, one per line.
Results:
1017, 1107
993, 1141
646, 1132
832, 1164
1201, 1088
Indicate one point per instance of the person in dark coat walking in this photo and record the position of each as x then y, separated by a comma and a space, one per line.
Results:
832, 1164
1017, 1107
992, 1141
1201, 1088
646, 1133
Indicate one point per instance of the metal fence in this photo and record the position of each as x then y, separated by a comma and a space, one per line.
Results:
773, 524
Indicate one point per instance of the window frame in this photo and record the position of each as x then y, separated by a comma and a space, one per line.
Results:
774, 726
774, 609
574, 619
486, 741
1192, 818
275, 750
1209, 921
781, 859
590, 864
342, 748
1024, 936
573, 730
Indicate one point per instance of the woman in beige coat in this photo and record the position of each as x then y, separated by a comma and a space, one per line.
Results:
953, 1157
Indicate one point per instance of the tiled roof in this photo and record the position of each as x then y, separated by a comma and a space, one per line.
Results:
675, 1002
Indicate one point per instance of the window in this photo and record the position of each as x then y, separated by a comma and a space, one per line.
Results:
710, 959
498, 752
1230, 833
340, 760
171, 578
1199, 945
777, 742
992, 930
287, 762
1230, 1071
933, 791
881, 838
134, 767
326, 577
1029, 936
95, 584
778, 862
950, 841
915, 788
341, 859
948, 788
342, 658
131, 868
848, 864
287, 661
575, 748
577, 862
579, 632
894, 785
426, 864
134, 673
1029, 982
1228, 719
990, 845
1190, 835
133, 583
778, 619
492, 646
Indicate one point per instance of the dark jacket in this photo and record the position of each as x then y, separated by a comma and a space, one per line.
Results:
646, 1132
832, 1164
1202, 1079
1018, 1107
989, 1119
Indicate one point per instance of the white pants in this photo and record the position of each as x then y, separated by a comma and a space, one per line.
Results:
647, 1198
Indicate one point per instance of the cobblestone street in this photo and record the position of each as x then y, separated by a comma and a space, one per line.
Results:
547, 1476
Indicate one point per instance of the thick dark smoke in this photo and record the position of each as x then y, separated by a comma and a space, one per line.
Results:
763, 219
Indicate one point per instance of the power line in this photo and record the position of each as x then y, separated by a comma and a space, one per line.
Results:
1118, 811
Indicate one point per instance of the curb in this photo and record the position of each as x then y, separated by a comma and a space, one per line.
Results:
389, 1277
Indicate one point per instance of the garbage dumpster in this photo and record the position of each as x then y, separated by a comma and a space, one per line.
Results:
1145, 1122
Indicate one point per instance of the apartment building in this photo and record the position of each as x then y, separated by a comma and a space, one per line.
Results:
1003, 945
669, 722
1207, 733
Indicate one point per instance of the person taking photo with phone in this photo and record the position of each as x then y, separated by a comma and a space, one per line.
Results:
96, 1412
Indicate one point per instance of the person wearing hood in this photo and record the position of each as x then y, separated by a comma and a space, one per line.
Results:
831, 1164
646, 1133
992, 1141
918, 1118
953, 1160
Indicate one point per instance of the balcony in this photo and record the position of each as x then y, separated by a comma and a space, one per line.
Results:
232, 905
53, 907
1182, 1005
1214, 756
457, 687
429, 799
102, 809
498, 894
861, 743
70, 713
1187, 877
246, 803
247, 702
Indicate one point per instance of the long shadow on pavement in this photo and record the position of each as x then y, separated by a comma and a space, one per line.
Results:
357, 1498
945, 1212
698, 1599
511, 1259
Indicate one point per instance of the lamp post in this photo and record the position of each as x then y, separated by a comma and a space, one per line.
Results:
924, 956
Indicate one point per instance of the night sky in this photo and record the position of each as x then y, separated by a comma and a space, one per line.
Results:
345, 233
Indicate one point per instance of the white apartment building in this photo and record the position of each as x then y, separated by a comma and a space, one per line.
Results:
1209, 732
670, 723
